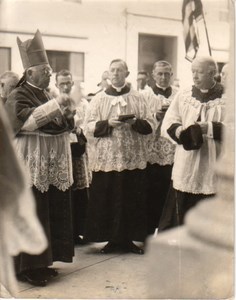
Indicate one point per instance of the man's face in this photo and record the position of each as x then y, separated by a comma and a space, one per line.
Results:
64, 84
7, 85
141, 81
162, 76
203, 78
118, 74
40, 75
224, 75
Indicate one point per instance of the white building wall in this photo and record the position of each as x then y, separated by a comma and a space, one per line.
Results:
103, 30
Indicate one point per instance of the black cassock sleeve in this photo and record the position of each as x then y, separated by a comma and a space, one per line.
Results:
217, 131
102, 129
142, 127
171, 131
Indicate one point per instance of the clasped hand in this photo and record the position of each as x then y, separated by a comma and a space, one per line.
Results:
67, 105
204, 127
63, 99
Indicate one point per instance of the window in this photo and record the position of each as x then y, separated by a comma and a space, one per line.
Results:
72, 61
5, 59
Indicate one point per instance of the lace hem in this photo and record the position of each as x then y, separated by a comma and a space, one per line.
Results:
119, 168
193, 189
48, 160
81, 173
123, 150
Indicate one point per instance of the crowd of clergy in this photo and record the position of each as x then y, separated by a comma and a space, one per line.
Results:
119, 167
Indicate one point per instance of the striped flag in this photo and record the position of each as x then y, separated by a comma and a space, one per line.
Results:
191, 13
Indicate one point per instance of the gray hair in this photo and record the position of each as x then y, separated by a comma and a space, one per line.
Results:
120, 61
9, 74
162, 63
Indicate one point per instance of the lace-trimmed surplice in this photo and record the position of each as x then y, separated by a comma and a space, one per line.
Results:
193, 171
48, 158
160, 149
124, 148
82, 174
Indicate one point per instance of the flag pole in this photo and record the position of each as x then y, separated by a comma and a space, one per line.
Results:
208, 41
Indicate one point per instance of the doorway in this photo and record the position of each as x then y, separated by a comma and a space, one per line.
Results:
152, 48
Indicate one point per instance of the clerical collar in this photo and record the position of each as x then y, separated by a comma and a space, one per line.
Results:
34, 86
213, 93
113, 92
159, 91
118, 89
207, 90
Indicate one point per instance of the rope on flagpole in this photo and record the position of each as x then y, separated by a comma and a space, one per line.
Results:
207, 36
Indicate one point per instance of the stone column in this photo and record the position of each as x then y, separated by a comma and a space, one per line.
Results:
196, 261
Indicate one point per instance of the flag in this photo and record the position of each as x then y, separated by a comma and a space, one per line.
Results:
191, 13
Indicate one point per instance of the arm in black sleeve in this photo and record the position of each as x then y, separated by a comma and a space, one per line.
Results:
102, 129
217, 131
142, 127
171, 131
70, 123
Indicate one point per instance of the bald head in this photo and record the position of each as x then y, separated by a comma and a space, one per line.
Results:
203, 70
8, 81
208, 61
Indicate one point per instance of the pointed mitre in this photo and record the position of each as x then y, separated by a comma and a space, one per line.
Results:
32, 51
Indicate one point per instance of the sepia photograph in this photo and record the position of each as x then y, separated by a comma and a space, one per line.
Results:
117, 149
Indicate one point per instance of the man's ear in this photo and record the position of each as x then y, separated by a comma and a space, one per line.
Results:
127, 74
29, 72
212, 73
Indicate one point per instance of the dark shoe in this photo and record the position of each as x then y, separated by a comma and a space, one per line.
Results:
109, 248
33, 277
131, 247
48, 272
79, 241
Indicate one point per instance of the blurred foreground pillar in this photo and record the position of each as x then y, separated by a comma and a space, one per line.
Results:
196, 261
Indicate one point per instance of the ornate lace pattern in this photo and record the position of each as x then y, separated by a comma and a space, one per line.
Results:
82, 174
48, 159
161, 151
124, 148
189, 100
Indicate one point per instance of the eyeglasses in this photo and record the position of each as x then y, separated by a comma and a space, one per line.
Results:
44, 70
47, 71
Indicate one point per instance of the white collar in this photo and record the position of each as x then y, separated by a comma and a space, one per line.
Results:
206, 90
34, 86
160, 87
118, 89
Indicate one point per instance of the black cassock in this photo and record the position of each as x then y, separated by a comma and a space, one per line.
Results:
53, 206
